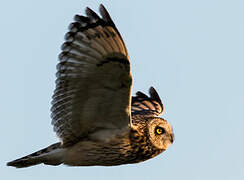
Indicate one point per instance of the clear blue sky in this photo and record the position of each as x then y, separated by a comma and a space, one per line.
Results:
191, 51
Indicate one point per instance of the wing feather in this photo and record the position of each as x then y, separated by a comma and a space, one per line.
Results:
147, 105
93, 86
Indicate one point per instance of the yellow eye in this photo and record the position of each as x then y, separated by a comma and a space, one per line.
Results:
159, 130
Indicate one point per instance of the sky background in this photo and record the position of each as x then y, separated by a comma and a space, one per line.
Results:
191, 51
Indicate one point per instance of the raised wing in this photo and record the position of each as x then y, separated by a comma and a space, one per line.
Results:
147, 106
93, 86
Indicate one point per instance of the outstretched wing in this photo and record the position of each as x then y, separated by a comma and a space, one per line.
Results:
93, 86
147, 106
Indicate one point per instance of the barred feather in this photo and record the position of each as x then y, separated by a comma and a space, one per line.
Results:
93, 64
148, 106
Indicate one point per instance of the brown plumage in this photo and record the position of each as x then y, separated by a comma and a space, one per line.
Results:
93, 112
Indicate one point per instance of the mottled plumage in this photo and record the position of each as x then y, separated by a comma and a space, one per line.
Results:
93, 113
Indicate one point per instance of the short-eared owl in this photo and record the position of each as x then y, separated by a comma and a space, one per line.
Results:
97, 120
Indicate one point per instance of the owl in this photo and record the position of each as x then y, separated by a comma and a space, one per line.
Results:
93, 113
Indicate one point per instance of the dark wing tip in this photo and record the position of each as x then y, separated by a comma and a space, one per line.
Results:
147, 105
105, 14
91, 14
140, 94
9, 163
154, 95
15, 163
81, 19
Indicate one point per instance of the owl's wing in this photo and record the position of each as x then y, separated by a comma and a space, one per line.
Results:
148, 106
93, 86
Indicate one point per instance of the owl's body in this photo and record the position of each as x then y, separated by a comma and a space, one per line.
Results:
93, 113
126, 146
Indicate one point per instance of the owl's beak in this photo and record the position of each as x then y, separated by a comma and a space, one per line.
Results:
172, 138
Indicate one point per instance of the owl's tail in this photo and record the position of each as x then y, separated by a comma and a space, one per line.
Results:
52, 155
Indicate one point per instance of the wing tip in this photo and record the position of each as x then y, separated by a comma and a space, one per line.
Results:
91, 14
145, 100
154, 94
18, 163
140, 94
105, 15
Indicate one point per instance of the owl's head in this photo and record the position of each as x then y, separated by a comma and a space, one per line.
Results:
160, 133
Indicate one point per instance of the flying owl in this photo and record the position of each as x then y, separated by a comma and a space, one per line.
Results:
94, 115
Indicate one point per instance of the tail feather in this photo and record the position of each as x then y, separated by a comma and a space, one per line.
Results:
52, 155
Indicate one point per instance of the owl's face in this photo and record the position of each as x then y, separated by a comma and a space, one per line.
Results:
160, 133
